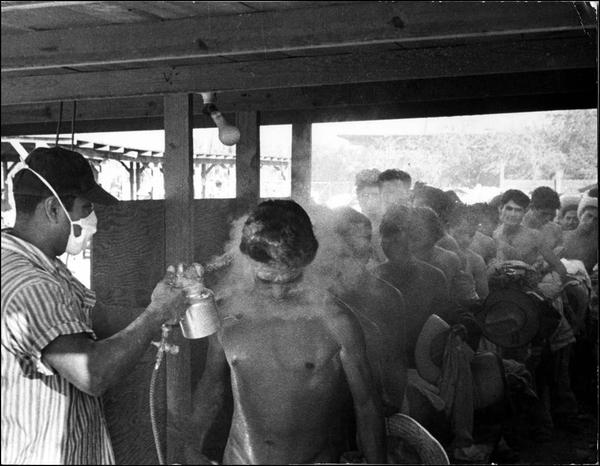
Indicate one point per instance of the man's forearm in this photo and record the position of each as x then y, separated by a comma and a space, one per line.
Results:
114, 357
371, 432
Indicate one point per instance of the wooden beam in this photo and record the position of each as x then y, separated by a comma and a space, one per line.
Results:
465, 106
331, 26
435, 62
247, 151
24, 6
301, 161
338, 96
179, 247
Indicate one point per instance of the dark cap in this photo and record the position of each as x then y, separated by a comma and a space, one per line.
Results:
68, 172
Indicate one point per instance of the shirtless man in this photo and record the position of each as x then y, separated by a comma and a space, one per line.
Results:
482, 242
518, 242
438, 201
369, 200
462, 227
540, 216
291, 350
582, 243
378, 305
425, 292
424, 287
426, 231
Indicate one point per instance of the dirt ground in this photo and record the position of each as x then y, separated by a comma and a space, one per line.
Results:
579, 445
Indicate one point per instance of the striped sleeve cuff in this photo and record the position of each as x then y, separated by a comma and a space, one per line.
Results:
65, 328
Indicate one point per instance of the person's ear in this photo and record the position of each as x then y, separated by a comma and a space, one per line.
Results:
52, 209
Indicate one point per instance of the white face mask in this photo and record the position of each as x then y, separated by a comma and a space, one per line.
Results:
88, 225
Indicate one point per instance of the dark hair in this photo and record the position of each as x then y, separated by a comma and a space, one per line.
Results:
367, 178
27, 203
567, 208
396, 218
345, 217
544, 197
434, 198
483, 211
395, 174
424, 220
518, 197
279, 232
463, 213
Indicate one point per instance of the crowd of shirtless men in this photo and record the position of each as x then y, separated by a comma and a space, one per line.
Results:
321, 324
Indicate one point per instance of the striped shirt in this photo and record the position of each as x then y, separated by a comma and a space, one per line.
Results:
45, 419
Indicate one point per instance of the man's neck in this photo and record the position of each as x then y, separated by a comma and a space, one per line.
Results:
511, 229
277, 291
31, 234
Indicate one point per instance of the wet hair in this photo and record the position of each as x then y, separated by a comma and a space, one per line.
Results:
544, 197
518, 197
367, 178
280, 233
397, 218
424, 220
395, 174
345, 217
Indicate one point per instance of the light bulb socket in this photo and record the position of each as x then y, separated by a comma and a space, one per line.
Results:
209, 108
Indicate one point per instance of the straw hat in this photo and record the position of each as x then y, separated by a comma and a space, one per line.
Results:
509, 318
414, 434
429, 349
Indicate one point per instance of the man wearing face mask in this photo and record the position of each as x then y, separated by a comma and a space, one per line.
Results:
54, 369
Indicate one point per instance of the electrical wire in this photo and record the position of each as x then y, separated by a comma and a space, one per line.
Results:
60, 112
73, 123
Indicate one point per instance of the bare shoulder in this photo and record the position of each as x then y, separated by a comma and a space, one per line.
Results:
340, 321
429, 271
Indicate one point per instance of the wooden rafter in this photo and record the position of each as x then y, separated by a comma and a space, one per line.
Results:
264, 32
338, 96
468, 59
95, 151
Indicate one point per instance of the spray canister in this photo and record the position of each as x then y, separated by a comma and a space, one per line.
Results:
200, 319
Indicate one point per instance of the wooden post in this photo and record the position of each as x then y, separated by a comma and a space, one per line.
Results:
179, 247
132, 187
247, 163
301, 161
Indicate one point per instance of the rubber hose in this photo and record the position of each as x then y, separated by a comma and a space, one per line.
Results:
159, 358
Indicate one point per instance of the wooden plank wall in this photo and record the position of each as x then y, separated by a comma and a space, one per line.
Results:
128, 259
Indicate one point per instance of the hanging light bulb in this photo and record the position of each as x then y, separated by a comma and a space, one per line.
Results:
228, 134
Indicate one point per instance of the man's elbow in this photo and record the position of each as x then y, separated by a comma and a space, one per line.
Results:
93, 384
